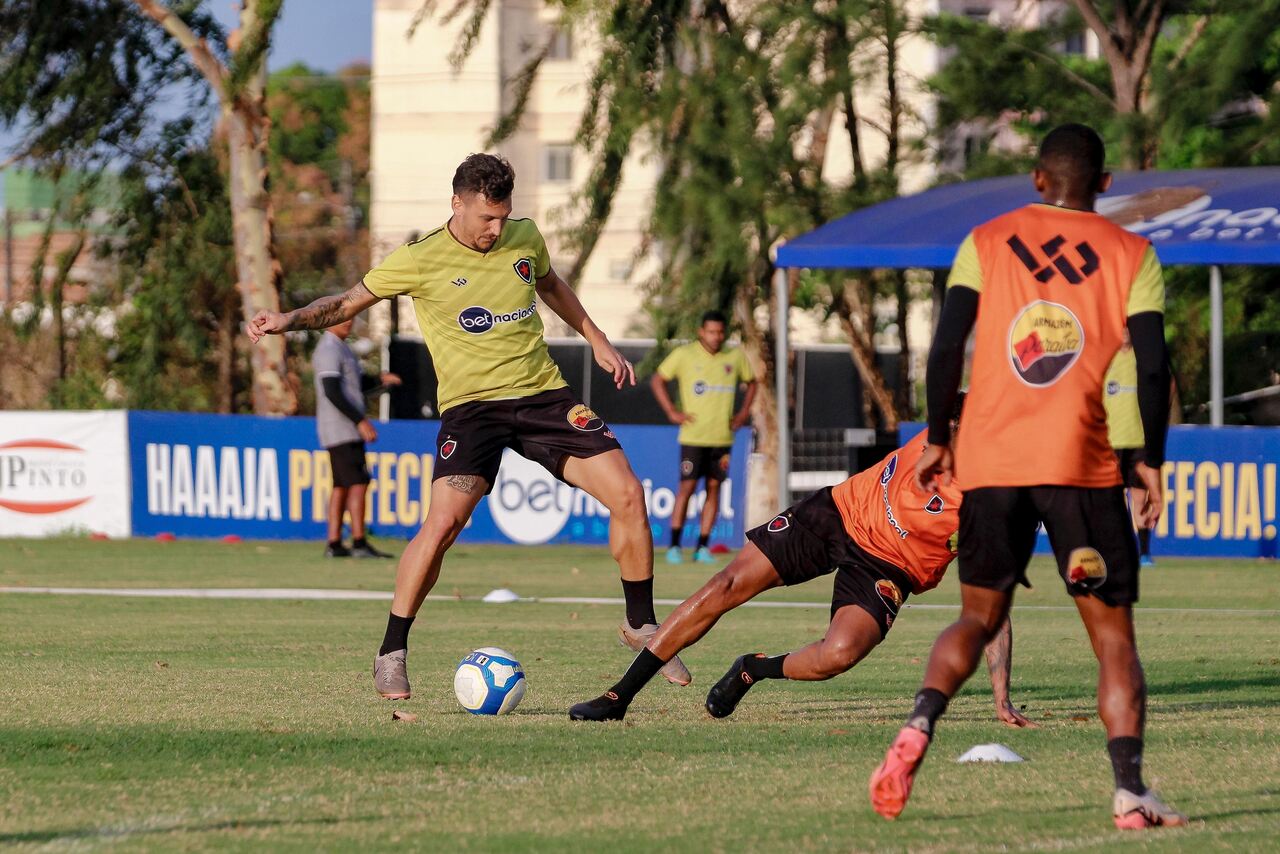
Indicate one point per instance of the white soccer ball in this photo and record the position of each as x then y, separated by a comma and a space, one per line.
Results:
489, 681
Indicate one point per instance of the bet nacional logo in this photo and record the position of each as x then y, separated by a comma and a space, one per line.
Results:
1045, 340
527, 503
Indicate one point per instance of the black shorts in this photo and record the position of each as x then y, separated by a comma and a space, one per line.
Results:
547, 428
1089, 530
710, 463
1128, 458
809, 540
348, 465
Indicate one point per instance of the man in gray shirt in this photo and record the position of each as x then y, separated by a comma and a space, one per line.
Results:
343, 430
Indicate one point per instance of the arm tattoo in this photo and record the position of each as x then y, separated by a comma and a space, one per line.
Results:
467, 483
324, 312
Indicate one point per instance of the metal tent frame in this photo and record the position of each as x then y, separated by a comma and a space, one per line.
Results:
1201, 217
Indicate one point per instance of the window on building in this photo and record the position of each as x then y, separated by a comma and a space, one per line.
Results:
619, 269
981, 14
561, 45
1074, 45
557, 163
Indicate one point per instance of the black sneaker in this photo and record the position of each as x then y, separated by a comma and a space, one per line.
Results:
606, 707
725, 695
336, 550
366, 550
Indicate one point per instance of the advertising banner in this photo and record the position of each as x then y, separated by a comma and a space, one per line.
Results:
63, 473
267, 478
1220, 492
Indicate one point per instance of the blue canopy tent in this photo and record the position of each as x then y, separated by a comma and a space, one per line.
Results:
1205, 217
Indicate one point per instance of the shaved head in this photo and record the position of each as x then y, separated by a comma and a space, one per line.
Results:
1074, 157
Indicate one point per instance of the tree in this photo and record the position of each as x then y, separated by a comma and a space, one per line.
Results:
738, 102
1210, 96
82, 78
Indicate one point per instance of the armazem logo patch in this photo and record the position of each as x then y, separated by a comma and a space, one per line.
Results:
1045, 340
889, 594
447, 448
582, 418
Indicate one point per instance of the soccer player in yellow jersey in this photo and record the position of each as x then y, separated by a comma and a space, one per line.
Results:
475, 282
708, 374
1124, 432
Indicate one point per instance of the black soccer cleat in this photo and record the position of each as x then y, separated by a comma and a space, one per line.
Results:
364, 550
606, 707
725, 695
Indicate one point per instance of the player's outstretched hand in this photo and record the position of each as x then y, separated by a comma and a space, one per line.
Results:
1149, 513
934, 466
266, 323
390, 379
1010, 716
608, 357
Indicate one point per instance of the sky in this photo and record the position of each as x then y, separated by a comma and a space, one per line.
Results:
325, 34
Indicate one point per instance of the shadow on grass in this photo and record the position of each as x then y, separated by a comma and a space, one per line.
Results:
124, 831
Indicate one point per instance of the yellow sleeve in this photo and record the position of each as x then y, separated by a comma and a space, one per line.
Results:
396, 275
745, 374
541, 258
966, 270
670, 366
1147, 291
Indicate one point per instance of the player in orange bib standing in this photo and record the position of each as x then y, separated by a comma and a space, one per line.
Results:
1048, 290
883, 538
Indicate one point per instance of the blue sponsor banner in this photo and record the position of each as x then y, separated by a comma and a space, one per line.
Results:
1220, 492
267, 478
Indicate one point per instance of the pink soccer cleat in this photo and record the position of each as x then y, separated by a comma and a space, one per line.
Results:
891, 782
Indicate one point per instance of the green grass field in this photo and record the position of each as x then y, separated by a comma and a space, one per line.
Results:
160, 724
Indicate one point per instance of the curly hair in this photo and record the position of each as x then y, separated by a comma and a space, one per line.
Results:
487, 174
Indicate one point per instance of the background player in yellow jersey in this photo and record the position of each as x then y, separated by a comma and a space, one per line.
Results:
474, 282
1124, 431
708, 375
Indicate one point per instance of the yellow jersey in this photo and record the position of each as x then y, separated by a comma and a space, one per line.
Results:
1120, 398
478, 311
708, 383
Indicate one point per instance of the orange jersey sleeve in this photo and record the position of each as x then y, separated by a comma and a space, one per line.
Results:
887, 516
1051, 316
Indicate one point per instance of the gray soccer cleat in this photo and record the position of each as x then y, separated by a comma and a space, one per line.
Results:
1138, 812
390, 678
637, 639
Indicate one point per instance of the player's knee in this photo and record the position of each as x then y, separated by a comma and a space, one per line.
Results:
838, 655
721, 588
440, 532
628, 502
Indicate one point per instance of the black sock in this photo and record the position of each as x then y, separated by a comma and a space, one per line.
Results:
702, 540
1144, 541
356, 543
639, 595
1126, 762
676, 532
930, 704
761, 666
397, 636
336, 542
637, 676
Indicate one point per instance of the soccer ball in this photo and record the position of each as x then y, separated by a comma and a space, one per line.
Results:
489, 681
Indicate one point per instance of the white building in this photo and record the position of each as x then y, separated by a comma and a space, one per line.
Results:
427, 117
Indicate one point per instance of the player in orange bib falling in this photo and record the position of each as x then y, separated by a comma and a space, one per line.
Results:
1048, 290
883, 538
